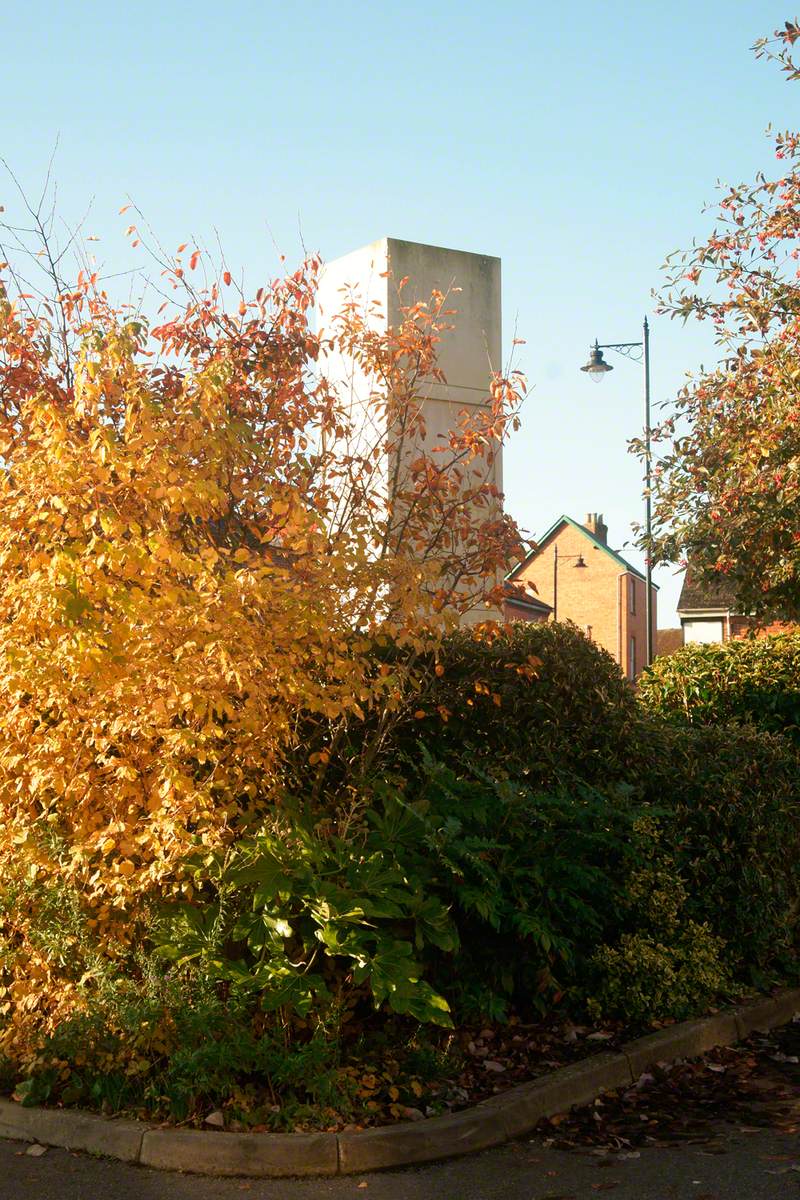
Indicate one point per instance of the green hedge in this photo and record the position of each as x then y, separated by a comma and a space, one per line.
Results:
750, 681
537, 702
726, 798
528, 834
729, 800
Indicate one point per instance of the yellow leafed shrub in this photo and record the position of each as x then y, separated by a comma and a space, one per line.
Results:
192, 564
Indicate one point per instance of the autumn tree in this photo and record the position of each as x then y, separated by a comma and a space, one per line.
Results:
194, 568
727, 487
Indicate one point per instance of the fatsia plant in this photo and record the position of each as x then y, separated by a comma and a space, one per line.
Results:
306, 916
193, 566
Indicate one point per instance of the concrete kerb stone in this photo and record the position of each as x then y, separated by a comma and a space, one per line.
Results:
493, 1121
788, 1006
763, 1015
72, 1130
687, 1040
570, 1087
421, 1141
264, 1155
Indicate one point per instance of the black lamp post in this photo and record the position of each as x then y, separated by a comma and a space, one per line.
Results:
596, 368
561, 558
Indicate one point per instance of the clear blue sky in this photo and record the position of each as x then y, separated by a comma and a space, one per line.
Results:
578, 142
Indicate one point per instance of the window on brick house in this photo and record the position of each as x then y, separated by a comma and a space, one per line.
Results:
632, 593
632, 659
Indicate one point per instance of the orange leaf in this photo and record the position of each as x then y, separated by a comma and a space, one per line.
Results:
194, 260
226, 278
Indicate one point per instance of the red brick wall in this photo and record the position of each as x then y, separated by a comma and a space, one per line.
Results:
741, 626
518, 612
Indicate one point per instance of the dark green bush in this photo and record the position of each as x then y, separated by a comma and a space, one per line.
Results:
533, 880
753, 681
663, 964
536, 702
730, 806
443, 890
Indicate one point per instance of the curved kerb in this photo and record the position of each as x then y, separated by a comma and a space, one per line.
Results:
489, 1123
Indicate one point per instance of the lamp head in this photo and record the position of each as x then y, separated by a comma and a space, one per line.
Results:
580, 562
597, 366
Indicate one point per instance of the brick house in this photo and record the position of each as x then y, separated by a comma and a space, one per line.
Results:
521, 604
708, 613
576, 574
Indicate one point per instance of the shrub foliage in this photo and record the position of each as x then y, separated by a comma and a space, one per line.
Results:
730, 810
253, 791
198, 555
454, 884
752, 681
538, 702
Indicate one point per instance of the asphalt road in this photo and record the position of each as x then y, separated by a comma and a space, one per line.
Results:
762, 1165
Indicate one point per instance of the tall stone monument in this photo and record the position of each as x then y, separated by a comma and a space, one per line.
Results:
468, 354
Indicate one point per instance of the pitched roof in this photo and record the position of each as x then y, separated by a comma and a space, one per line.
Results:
668, 641
596, 542
716, 593
514, 593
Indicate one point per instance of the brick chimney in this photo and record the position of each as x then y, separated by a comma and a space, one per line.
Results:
595, 524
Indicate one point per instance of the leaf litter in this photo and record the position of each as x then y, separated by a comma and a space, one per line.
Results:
748, 1087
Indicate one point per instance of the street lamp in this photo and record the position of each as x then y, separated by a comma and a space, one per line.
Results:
596, 368
562, 557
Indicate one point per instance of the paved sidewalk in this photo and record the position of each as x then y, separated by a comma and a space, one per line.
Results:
753, 1166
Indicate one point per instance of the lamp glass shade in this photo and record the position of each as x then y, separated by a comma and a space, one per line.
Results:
597, 366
